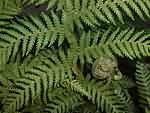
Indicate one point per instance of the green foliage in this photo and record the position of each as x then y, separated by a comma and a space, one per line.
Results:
106, 98
29, 32
47, 60
143, 83
62, 101
8, 10
93, 11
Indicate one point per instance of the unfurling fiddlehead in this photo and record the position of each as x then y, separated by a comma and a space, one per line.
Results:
104, 67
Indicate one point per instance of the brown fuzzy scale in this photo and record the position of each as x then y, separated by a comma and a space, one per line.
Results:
104, 67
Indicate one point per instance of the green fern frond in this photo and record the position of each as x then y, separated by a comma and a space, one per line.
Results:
21, 95
10, 71
34, 108
58, 63
143, 83
38, 32
75, 86
90, 108
128, 42
122, 92
84, 48
50, 3
3, 93
91, 12
8, 74
62, 102
30, 84
78, 12
81, 11
46, 73
8, 10
125, 82
125, 12
105, 98
43, 58
125, 43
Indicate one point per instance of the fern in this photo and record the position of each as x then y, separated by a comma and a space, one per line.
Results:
130, 8
62, 102
122, 85
20, 93
47, 60
37, 79
89, 109
142, 81
51, 3
128, 42
90, 12
29, 33
105, 98
75, 86
8, 74
8, 10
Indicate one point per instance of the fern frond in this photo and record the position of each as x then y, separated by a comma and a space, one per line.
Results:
90, 108
21, 95
8, 74
50, 3
128, 42
125, 43
25, 88
93, 13
36, 78
43, 74
76, 11
29, 32
105, 98
123, 93
8, 10
143, 83
128, 8
34, 108
10, 71
5, 85
59, 64
76, 87
80, 11
125, 82
62, 102
4, 91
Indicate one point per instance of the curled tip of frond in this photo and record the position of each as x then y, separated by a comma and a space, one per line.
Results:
104, 67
